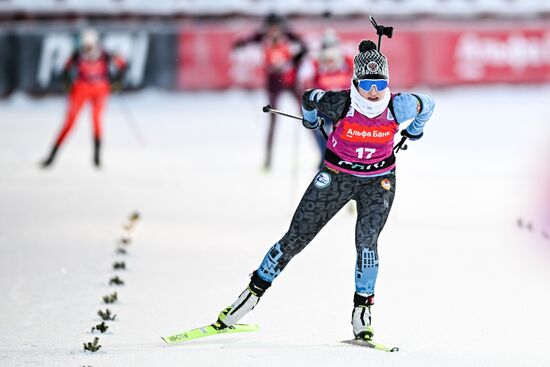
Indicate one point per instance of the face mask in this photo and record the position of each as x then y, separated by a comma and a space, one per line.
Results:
366, 107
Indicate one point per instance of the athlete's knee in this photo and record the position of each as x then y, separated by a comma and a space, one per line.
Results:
72, 113
366, 235
68, 125
293, 243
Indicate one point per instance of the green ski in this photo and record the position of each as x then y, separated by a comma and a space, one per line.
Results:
370, 344
208, 330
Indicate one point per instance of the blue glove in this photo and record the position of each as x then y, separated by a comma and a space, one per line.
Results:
411, 136
413, 106
309, 119
405, 106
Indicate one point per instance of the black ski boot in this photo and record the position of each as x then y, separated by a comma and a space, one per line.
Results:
97, 150
48, 161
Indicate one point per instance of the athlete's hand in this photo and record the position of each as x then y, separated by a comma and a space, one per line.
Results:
309, 119
67, 87
68, 82
411, 136
406, 107
116, 86
238, 44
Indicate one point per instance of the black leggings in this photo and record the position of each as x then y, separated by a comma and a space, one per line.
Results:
325, 196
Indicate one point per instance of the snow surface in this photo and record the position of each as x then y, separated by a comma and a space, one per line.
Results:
459, 283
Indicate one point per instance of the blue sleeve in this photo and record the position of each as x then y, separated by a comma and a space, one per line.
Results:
309, 111
308, 115
427, 105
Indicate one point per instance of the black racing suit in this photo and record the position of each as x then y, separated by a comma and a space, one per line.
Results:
329, 191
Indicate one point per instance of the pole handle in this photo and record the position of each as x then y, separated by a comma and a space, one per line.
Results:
321, 127
401, 145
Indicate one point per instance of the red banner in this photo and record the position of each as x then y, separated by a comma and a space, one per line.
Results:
436, 54
204, 61
486, 56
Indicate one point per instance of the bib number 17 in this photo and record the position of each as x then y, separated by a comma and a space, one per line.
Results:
365, 153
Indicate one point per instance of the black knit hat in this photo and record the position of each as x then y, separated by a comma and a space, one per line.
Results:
369, 63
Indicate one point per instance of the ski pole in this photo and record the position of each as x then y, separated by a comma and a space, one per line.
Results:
401, 145
269, 109
129, 119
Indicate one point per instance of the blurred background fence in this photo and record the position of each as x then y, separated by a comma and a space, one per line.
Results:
187, 44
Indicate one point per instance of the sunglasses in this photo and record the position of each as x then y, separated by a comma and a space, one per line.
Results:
367, 84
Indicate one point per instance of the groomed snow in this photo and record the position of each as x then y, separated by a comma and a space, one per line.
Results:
460, 284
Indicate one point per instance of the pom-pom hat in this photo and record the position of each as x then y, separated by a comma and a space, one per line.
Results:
369, 63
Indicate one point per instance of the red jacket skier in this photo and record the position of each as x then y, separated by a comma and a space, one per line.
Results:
89, 72
283, 52
331, 69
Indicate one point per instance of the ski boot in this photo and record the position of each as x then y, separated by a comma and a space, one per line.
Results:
361, 317
97, 149
48, 161
247, 300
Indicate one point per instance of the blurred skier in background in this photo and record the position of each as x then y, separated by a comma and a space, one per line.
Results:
283, 52
330, 69
359, 165
88, 74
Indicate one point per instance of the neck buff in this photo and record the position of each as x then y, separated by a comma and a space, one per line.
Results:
366, 107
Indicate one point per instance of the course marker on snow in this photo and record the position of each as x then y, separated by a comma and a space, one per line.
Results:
119, 265
106, 315
121, 251
209, 330
116, 281
100, 327
92, 346
110, 298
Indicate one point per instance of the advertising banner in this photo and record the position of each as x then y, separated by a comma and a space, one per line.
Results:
199, 55
33, 60
512, 55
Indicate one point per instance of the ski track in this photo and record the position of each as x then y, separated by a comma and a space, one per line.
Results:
459, 283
